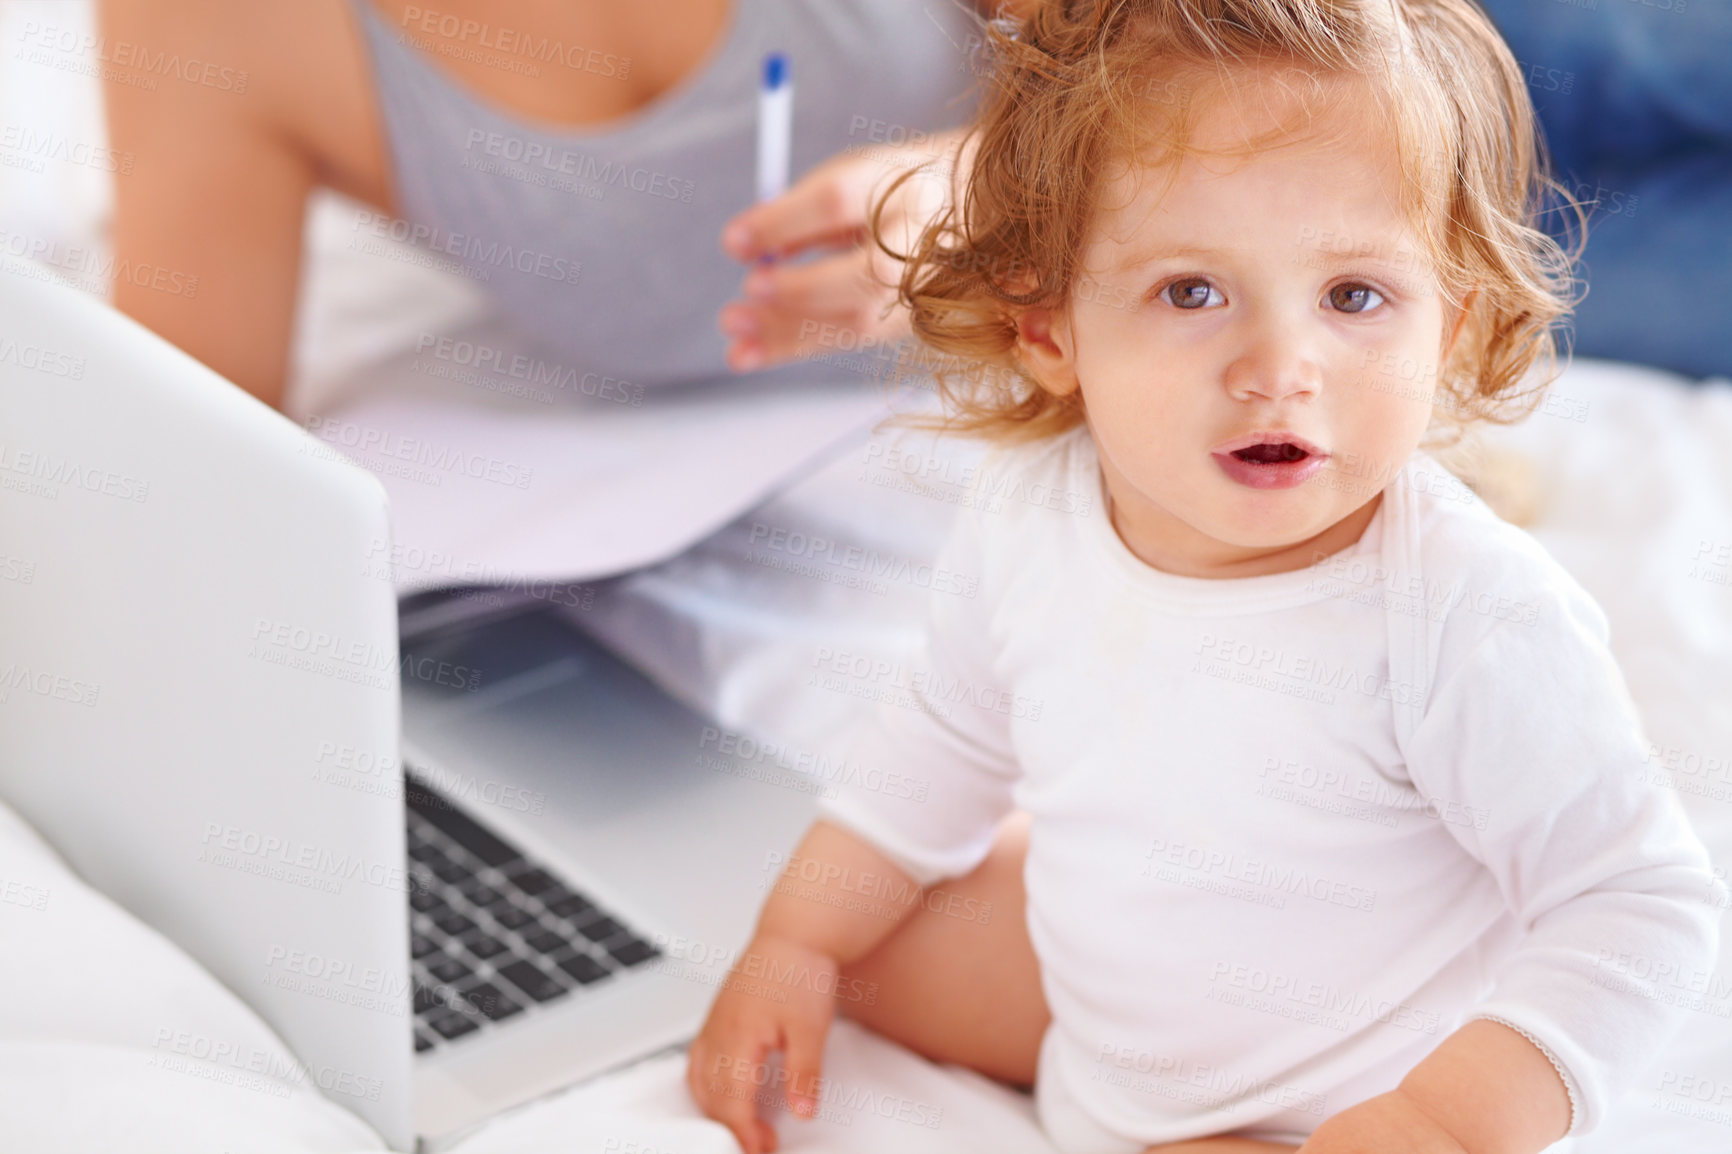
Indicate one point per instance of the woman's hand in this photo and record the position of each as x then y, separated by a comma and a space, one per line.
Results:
844, 298
779, 998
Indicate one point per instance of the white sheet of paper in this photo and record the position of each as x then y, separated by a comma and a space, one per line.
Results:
497, 479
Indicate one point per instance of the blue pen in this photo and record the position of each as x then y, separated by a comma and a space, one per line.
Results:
775, 126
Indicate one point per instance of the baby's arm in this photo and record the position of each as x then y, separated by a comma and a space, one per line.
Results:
781, 994
1529, 737
881, 842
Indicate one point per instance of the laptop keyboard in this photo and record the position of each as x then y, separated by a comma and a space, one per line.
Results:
493, 934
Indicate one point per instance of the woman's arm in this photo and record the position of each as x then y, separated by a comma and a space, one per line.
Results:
207, 225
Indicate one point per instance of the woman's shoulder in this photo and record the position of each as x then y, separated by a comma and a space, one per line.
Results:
294, 75
234, 112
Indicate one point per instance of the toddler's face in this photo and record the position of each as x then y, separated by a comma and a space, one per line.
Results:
1278, 300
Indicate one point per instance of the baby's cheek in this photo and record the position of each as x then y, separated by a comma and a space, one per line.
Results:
1396, 413
1125, 389
1393, 382
1129, 427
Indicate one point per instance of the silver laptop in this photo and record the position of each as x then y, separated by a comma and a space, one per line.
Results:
209, 713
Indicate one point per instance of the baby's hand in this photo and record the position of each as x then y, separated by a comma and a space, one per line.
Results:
1386, 1124
752, 1018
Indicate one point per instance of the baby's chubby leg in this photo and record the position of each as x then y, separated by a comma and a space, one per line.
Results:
957, 980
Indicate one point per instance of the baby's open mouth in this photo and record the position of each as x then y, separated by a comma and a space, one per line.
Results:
1271, 454
1274, 459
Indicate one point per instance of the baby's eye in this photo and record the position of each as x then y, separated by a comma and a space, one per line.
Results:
1193, 293
1354, 298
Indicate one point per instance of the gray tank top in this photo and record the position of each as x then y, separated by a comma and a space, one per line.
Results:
604, 244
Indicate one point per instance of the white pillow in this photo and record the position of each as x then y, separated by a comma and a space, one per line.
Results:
112, 1039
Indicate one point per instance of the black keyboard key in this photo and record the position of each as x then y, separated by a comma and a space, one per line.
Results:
571, 906
584, 968
491, 1001
545, 941
454, 924
451, 1015
458, 826
478, 892
449, 969
483, 947
434, 914
532, 981
422, 1042
512, 917
536, 881
449, 1026
600, 929
450, 871
632, 951
430, 998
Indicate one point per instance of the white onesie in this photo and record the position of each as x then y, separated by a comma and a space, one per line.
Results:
1289, 831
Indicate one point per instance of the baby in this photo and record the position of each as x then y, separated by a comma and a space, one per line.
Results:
1337, 836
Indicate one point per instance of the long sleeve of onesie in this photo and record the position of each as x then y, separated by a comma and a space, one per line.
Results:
947, 724
1534, 729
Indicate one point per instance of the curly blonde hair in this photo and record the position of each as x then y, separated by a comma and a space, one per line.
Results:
1080, 84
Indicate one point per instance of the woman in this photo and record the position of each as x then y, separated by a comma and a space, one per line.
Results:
603, 147
432, 114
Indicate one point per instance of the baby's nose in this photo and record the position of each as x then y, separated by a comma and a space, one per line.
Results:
1274, 365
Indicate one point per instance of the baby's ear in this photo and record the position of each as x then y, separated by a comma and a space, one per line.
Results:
1045, 349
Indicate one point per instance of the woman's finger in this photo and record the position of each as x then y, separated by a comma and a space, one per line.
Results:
825, 207
777, 336
838, 303
830, 286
